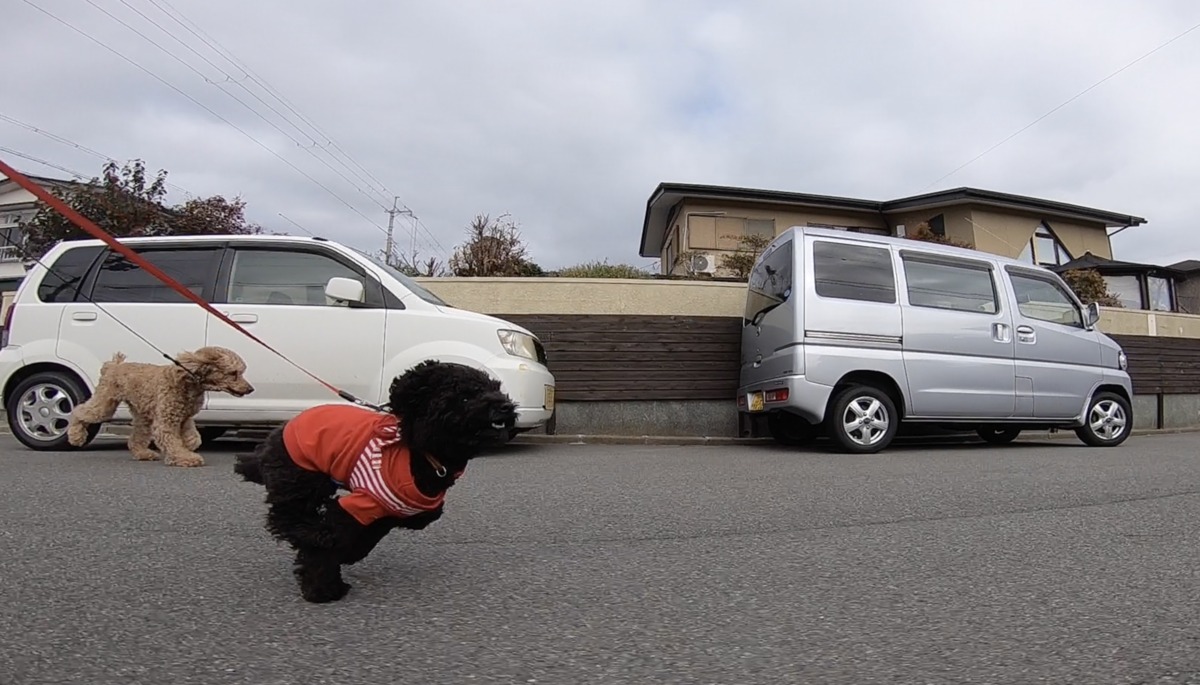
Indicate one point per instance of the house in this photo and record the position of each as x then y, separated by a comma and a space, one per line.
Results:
690, 227
18, 206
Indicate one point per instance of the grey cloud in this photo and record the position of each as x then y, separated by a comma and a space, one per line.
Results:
566, 115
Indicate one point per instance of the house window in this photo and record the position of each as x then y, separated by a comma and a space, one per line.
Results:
1044, 248
1154, 293
1127, 289
725, 232
1160, 294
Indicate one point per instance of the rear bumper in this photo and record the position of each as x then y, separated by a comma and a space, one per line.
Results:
804, 398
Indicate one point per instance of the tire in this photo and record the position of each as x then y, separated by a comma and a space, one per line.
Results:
1107, 422
862, 402
998, 435
790, 430
38, 409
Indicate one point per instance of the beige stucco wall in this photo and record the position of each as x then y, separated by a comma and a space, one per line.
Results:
1007, 233
590, 296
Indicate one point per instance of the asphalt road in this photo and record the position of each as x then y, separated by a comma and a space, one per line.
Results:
1033, 563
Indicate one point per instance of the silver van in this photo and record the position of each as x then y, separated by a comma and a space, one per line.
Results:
849, 334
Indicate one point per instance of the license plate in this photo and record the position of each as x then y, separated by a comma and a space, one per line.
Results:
755, 401
549, 403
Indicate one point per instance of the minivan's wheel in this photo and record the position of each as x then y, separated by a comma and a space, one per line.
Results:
789, 429
862, 419
998, 435
39, 407
1108, 421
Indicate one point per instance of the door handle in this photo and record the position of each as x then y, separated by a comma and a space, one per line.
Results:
1000, 332
84, 316
243, 318
1026, 334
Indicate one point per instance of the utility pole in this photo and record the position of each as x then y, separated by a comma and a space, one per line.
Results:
388, 247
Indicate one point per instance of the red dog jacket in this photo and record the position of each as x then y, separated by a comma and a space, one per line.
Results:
362, 450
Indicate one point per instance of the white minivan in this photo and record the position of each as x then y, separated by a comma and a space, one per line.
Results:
340, 314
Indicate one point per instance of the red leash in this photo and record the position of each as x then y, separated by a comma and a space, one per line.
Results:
83, 223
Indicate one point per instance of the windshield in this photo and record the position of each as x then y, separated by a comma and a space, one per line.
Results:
418, 289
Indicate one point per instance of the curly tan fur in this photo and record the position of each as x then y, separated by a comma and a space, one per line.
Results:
163, 398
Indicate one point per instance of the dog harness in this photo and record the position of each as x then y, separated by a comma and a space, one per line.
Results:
363, 451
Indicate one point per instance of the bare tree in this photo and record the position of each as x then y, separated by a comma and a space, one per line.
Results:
492, 248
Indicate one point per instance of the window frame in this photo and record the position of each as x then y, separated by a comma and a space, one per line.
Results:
1034, 275
909, 255
206, 290
375, 296
891, 262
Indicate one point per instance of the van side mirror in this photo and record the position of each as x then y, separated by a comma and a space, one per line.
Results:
1091, 315
344, 290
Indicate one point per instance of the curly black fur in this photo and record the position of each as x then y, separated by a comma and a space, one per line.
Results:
449, 411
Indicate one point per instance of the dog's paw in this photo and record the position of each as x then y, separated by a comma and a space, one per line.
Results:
185, 460
322, 594
76, 434
146, 455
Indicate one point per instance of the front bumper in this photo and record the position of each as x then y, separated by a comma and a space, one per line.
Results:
531, 387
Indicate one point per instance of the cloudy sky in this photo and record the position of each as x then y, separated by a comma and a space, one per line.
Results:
566, 115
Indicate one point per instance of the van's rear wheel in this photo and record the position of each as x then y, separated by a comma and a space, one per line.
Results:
998, 435
39, 407
1108, 421
862, 419
789, 429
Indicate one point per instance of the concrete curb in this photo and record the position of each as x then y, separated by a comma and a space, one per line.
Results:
121, 433
682, 440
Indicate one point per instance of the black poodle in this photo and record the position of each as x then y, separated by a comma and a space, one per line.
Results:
396, 465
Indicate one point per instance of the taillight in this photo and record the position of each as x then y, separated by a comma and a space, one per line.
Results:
779, 395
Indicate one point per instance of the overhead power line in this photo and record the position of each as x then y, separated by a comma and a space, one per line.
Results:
1060, 106
207, 109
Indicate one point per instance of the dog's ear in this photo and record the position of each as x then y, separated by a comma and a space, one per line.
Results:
200, 361
412, 387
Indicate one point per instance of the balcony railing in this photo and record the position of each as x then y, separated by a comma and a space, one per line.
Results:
10, 253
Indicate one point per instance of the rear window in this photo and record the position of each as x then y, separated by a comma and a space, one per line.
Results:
120, 280
770, 283
854, 272
65, 276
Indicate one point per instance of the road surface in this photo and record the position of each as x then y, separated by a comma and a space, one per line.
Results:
1043, 562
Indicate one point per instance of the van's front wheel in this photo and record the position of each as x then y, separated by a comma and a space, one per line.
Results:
863, 419
1108, 421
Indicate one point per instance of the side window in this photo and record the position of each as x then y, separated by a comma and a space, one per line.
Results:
1044, 300
959, 287
770, 283
854, 272
64, 278
285, 277
120, 280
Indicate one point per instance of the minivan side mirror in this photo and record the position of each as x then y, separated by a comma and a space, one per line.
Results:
344, 290
1091, 315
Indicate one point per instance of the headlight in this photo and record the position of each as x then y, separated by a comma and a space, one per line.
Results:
1122, 360
518, 344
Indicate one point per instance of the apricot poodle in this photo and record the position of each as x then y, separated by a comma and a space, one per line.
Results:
397, 466
163, 398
